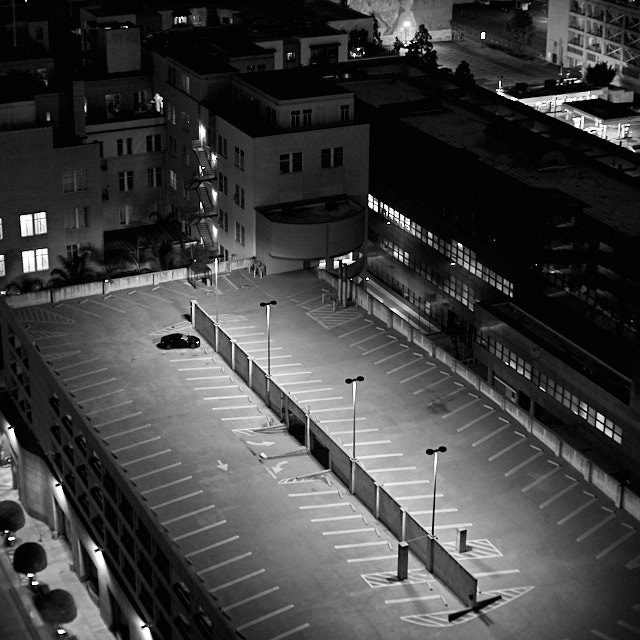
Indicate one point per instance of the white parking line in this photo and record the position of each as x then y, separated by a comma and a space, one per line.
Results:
475, 420
382, 346
613, 545
381, 455
434, 384
393, 355
542, 478
211, 546
213, 567
266, 592
353, 545
489, 435
290, 384
340, 420
404, 482
333, 518
568, 488
581, 508
324, 506
84, 375
407, 364
596, 526
102, 395
93, 384
111, 406
391, 469
350, 431
373, 558
200, 530
297, 393
248, 576
524, 463
290, 632
266, 616
513, 445
370, 442
373, 337
417, 375
343, 531
414, 599
504, 572
462, 407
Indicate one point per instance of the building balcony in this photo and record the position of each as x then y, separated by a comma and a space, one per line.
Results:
311, 230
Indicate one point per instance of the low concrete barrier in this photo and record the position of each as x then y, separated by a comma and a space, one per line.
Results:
612, 487
365, 488
77, 291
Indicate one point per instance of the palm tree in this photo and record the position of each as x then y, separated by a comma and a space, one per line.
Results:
77, 268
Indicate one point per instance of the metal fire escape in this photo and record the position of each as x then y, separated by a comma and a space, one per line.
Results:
207, 213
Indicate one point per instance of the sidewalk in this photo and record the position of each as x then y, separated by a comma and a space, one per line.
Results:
19, 619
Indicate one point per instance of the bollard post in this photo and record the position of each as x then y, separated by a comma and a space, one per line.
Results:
403, 560
462, 541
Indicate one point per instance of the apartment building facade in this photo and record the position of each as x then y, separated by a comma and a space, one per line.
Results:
583, 33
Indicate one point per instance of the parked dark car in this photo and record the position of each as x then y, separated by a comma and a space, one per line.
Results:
179, 341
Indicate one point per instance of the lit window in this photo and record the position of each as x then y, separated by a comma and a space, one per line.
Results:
290, 56
173, 179
1, 232
3, 271
33, 224
186, 83
37, 260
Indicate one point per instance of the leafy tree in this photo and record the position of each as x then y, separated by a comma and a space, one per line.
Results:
377, 39
421, 48
463, 73
600, 74
397, 45
520, 30
56, 607
29, 557
11, 516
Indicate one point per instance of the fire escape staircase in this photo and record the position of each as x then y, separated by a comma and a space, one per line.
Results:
202, 185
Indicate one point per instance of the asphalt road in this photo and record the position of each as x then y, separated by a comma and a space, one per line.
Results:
298, 557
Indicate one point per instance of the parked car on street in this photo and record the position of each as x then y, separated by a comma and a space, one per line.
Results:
179, 341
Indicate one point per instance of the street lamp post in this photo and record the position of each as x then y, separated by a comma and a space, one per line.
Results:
267, 306
432, 542
216, 283
354, 386
434, 452
406, 25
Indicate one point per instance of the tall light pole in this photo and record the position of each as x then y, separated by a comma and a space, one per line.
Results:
434, 452
216, 283
354, 387
267, 306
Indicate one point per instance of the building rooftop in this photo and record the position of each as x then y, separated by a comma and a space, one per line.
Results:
292, 84
591, 176
604, 109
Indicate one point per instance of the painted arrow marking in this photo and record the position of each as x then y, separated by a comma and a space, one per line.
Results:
222, 465
278, 467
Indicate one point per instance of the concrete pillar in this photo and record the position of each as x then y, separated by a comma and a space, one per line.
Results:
461, 543
403, 560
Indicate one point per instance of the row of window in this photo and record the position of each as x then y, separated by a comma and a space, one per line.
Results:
153, 142
331, 157
185, 118
455, 251
35, 224
552, 388
457, 289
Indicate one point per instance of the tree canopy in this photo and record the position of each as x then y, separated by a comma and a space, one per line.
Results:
11, 516
600, 74
520, 29
56, 607
421, 48
29, 557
